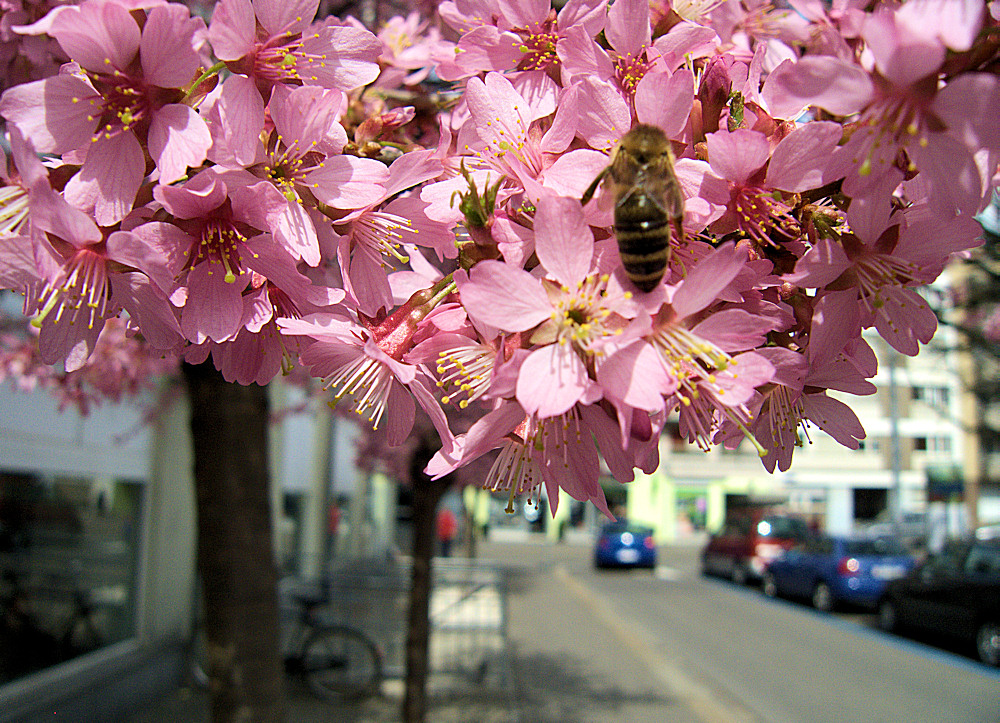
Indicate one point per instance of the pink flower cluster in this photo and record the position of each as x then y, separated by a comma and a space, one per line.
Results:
400, 213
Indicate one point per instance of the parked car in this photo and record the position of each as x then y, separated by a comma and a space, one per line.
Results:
912, 529
831, 570
625, 544
748, 542
954, 595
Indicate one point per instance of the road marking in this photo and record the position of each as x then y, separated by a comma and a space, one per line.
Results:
706, 703
670, 574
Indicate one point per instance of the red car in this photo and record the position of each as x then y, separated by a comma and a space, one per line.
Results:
748, 542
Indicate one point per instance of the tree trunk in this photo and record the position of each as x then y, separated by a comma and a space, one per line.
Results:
235, 555
426, 495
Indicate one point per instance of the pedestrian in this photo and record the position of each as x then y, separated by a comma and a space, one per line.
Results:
447, 528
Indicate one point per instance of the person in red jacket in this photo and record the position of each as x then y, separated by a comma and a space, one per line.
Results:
447, 529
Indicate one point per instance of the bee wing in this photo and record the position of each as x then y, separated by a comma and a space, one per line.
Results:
641, 187
673, 197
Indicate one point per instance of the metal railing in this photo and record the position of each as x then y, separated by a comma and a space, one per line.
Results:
468, 611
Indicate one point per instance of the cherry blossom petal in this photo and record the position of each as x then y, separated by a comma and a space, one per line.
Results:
905, 320
820, 265
736, 156
98, 35
349, 182
308, 117
232, 31
178, 140
241, 114
58, 114
353, 64
665, 100
297, 233
799, 160
835, 418
109, 179
635, 376
150, 309
285, 16
504, 297
627, 28
552, 379
969, 105
573, 172
563, 240
901, 55
400, 412
824, 81
602, 116
706, 280
169, 58
214, 309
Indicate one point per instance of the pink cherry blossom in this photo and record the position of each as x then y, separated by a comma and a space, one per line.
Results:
882, 262
756, 176
836, 358
77, 265
272, 42
572, 315
558, 452
127, 97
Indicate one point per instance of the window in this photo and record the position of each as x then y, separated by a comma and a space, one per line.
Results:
934, 445
870, 444
937, 397
68, 568
983, 560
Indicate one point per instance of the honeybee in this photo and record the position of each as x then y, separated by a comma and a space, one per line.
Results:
648, 201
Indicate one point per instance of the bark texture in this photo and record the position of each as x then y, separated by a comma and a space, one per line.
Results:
427, 494
235, 553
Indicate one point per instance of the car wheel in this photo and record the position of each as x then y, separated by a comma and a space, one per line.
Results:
769, 585
822, 598
888, 620
738, 574
988, 643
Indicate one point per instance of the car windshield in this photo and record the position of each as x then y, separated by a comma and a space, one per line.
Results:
616, 528
983, 560
874, 547
782, 527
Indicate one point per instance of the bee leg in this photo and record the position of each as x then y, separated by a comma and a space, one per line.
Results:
678, 226
589, 193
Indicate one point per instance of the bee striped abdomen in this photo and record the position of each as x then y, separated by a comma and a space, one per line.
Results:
649, 205
643, 233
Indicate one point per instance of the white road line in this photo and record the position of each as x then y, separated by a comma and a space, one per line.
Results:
704, 702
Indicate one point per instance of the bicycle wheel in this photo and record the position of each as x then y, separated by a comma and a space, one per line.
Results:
341, 662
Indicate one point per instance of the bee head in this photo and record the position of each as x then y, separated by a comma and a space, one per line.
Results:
645, 143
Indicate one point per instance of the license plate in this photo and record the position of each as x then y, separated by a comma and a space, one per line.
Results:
627, 555
888, 572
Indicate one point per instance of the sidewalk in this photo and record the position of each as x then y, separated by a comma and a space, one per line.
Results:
570, 661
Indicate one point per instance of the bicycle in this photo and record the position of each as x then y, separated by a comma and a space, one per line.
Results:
337, 662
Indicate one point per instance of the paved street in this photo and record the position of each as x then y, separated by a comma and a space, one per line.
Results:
670, 646
728, 653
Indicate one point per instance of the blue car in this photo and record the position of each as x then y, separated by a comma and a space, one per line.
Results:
832, 570
625, 544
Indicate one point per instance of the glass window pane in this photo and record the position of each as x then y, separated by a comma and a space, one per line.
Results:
68, 567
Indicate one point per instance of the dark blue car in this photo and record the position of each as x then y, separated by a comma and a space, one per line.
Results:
830, 570
625, 544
